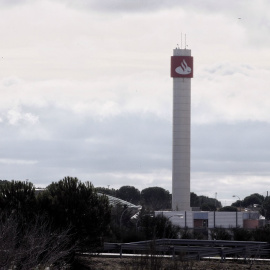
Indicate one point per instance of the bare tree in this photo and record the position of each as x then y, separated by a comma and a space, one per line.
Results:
8, 232
32, 245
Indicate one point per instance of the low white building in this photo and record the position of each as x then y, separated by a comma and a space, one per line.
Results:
205, 219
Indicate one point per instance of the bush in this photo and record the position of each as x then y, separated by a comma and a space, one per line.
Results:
262, 234
158, 227
220, 233
241, 234
33, 245
228, 209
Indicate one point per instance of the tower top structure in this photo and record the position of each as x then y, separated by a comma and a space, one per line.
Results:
181, 52
181, 63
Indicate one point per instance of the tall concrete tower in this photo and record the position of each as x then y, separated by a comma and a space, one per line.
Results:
181, 72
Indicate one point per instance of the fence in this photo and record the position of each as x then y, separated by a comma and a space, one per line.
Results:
194, 249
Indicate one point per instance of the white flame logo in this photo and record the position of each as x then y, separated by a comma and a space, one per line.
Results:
183, 68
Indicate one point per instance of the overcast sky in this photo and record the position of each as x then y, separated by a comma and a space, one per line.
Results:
85, 91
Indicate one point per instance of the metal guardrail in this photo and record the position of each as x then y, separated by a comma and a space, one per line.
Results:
194, 249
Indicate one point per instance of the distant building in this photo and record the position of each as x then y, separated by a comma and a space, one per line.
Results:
210, 220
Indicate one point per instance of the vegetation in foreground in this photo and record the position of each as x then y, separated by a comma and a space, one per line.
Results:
39, 229
48, 228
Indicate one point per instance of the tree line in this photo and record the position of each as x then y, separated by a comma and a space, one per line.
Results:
38, 229
158, 198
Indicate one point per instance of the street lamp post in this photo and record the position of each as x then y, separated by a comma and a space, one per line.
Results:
239, 201
121, 217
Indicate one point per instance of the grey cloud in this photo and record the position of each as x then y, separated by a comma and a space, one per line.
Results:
125, 6
226, 69
130, 143
232, 7
240, 147
140, 5
10, 3
249, 15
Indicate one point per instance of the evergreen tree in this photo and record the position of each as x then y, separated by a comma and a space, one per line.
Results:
18, 197
69, 202
129, 194
155, 198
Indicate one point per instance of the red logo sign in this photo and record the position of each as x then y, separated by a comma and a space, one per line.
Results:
182, 66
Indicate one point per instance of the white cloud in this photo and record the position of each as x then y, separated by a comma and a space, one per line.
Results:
85, 90
93, 98
118, 179
228, 185
15, 117
6, 161
231, 93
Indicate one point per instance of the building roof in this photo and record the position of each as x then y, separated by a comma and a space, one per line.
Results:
116, 201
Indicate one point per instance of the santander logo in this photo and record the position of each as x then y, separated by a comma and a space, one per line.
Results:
183, 68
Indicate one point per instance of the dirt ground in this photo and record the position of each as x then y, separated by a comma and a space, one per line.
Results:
101, 263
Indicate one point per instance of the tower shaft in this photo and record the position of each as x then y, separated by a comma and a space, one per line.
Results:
182, 72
